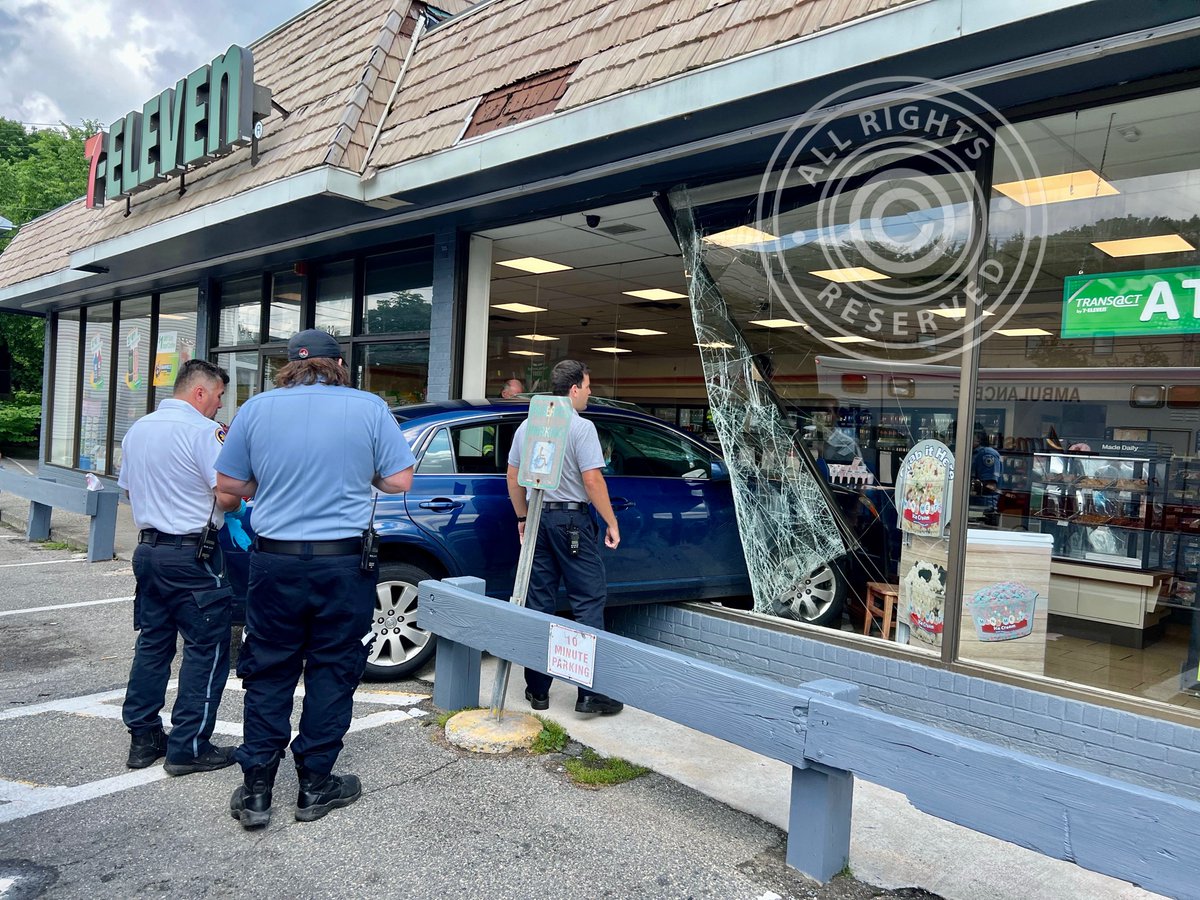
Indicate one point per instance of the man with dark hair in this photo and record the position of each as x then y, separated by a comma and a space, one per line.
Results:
309, 453
167, 462
568, 547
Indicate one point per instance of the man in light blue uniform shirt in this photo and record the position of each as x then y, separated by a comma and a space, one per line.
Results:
167, 462
309, 452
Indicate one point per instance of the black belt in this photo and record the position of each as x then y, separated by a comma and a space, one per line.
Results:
557, 504
344, 547
154, 537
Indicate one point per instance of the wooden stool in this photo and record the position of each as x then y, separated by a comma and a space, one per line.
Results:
881, 603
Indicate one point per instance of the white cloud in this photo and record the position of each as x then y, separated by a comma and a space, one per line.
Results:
97, 59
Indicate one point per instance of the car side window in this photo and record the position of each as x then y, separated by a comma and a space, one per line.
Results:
483, 449
637, 450
438, 458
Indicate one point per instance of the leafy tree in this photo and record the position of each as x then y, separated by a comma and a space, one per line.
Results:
39, 171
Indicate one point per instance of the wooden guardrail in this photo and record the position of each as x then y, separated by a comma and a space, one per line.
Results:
1129, 832
45, 495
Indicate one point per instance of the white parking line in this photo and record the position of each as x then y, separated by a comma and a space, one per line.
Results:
41, 562
5, 884
34, 609
19, 799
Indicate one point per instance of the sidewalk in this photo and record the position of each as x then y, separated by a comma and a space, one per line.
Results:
893, 845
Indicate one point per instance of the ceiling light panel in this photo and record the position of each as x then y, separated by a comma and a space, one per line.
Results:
848, 275
640, 332
714, 345
655, 294
611, 350
1022, 332
1081, 185
1144, 246
533, 264
850, 339
777, 323
519, 307
742, 236
525, 353
536, 337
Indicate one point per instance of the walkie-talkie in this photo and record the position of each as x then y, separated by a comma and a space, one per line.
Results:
207, 545
573, 539
368, 563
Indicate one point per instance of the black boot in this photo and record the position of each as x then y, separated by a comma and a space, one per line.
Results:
321, 793
251, 802
146, 748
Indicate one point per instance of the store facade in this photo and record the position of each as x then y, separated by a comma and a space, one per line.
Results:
855, 310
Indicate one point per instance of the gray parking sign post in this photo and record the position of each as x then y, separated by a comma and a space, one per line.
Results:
545, 445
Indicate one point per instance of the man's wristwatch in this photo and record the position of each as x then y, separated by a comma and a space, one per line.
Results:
521, 518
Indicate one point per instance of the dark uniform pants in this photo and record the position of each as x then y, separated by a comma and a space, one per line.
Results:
178, 596
583, 575
311, 616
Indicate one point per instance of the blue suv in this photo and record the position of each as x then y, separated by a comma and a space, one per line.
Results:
670, 492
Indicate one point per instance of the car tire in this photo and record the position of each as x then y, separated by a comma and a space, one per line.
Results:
818, 599
400, 648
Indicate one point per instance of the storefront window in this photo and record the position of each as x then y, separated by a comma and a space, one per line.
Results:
66, 381
133, 370
93, 414
399, 293
240, 319
335, 298
287, 290
1096, 475
243, 382
397, 372
176, 339
273, 361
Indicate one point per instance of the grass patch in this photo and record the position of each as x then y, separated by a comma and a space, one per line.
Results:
592, 768
552, 738
59, 545
846, 872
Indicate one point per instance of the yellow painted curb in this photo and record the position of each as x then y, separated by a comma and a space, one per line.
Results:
477, 730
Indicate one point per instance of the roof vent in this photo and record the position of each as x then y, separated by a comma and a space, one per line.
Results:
620, 228
657, 304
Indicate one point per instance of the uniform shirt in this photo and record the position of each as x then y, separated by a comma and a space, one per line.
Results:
167, 462
313, 449
583, 453
986, 464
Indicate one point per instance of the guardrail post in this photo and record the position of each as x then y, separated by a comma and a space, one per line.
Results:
456, 671
39, 521
821, 805
102, 529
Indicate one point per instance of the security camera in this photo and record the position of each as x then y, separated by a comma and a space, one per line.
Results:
584, 322
592, 220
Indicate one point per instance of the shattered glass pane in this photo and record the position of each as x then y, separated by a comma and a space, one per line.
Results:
788, 528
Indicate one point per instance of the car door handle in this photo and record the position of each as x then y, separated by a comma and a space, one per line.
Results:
620, 503
441, 504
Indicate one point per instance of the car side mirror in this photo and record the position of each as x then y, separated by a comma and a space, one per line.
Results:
718, 471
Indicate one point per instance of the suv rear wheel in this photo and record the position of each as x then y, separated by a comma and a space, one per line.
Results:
400, 648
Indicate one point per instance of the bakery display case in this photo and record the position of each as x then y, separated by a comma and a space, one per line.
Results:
1181, 531
1099, 509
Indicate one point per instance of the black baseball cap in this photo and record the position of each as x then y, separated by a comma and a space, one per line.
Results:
313, 344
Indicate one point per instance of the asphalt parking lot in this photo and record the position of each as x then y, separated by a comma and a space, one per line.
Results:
433, 821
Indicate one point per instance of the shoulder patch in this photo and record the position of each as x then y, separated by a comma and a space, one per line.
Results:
219, 434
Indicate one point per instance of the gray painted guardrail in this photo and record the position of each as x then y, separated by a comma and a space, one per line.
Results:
1127, 831
44, 495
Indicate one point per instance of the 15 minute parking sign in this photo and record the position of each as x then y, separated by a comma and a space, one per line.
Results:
546, 434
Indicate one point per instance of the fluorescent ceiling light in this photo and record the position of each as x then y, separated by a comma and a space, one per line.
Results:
1022, 332
519, 307
742, 236
533, 264
1057, 188
956, 312
640, 332
714, 345
536, 337
777, 323
525, 353
853, 273
611, 350
1144, 246
851, 339
654, 294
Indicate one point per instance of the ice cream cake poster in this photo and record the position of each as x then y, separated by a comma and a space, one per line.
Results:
923, 487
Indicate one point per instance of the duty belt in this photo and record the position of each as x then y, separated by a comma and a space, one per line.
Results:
155, 538
343, 547
557, 504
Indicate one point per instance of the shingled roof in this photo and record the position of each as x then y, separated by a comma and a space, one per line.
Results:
334, 69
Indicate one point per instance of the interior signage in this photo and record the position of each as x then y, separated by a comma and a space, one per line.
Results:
1160, 301
205, 116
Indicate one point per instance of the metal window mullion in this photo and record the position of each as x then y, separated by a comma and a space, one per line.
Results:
152, 352
48, 380
358, 303
78, 417
952, 614
111, 417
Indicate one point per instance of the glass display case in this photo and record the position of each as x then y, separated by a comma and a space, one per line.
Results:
1181, 531
1101, 509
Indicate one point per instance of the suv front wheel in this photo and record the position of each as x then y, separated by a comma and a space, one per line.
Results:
400, 648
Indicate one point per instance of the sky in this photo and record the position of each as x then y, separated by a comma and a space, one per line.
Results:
70, 60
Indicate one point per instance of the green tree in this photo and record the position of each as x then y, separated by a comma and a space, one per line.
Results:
39, 172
